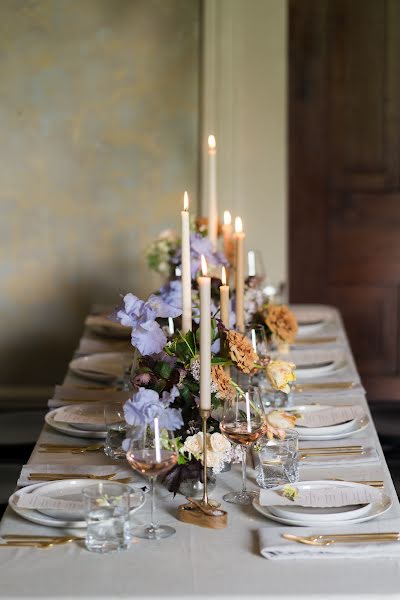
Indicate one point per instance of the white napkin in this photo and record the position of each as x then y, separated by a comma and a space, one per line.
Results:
274, 546
121, 471
68, 394
370, 454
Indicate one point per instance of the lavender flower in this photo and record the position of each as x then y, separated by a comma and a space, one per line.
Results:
201, 245
172, 293
145, 405
147, 335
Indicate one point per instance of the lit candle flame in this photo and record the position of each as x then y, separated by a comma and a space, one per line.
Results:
238, 225
185, 201
212, 144
223, 276
227, 217
203, 266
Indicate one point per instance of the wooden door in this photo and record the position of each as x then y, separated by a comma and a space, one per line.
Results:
344, 172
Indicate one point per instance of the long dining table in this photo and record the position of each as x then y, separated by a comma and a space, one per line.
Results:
198, 562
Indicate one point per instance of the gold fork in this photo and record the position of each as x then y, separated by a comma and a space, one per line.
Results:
58, 476
37, 543
328, 540
304, 455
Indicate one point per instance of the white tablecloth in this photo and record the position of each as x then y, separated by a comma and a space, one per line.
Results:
196, 563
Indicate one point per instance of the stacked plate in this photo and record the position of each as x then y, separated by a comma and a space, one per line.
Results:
68, 489
104, 367
104, 327
313, 319
85, 429
330, 432
339, 515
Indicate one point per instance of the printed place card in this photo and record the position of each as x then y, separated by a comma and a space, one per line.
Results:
323, 497
333, 415
93, 414
34, 501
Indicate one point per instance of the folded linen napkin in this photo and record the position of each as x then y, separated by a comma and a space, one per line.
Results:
120, 471
68, 394
273, 546
370, 454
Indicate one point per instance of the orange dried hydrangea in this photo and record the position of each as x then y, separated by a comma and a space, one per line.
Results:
223, 382
241, 351
281, 322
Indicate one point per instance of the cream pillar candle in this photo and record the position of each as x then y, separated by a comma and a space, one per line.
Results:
212, 191
224, 300
186, 277
239, 256
227, 231
204, 283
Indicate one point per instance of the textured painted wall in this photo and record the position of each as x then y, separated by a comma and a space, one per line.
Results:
98, 122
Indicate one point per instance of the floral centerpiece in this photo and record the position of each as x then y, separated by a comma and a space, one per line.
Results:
166, 376
278, 320
164, 253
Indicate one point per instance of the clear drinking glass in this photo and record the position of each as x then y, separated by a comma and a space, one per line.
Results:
117, 429
272, 398
106, 507
243, 424
277, 460
152, 452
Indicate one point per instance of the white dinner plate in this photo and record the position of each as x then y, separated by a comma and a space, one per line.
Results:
312, 319
311, 363
40, 518
356, 426
103, 366
93, 409
324, 431
375, 509
308, 514
69, 430
104, 327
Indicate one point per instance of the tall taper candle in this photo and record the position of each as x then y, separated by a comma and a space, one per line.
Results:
224, 307
239, 255
227, 231
224, 299
186, 277
205, 337
212, 191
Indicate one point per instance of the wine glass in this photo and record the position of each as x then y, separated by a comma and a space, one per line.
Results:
243, 424
258, 338
151, 453
255, 268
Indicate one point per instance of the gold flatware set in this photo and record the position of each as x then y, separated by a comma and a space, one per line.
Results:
331, 451
334, 385
340, 538
62, 448
36, 541
321, 340
58, 476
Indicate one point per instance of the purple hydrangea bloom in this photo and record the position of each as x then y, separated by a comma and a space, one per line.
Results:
145, 405
142, 408
147, 335
201, 245
172, 293
148, 338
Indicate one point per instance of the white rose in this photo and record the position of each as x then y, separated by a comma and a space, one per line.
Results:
219, 443
214, 459
280, 374
194, 444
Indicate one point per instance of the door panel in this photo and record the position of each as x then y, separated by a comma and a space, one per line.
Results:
344, 170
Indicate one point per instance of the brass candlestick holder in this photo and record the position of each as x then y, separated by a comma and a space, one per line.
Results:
203, 513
